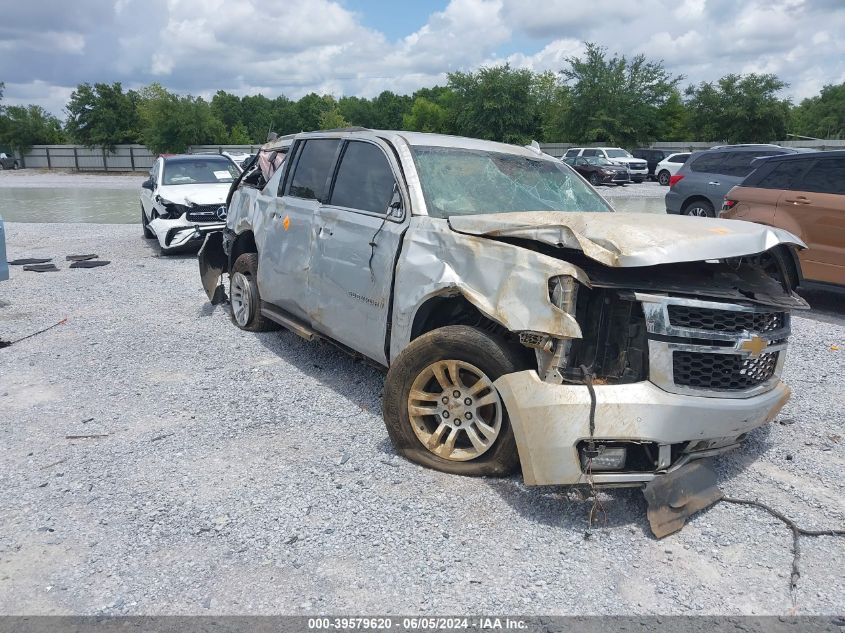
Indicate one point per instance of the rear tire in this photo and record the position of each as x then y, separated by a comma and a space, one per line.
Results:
469, 434
663, 178
244, 297
700, 209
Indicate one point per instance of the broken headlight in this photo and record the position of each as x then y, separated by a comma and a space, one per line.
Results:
173, 210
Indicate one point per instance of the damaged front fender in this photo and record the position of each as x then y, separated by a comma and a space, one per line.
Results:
508, 284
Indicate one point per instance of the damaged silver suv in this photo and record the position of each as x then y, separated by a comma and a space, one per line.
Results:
521, 320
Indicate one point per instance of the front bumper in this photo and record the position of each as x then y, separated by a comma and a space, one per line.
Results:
179, 232
549, 421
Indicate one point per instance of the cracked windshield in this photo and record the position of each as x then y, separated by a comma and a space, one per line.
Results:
469, 182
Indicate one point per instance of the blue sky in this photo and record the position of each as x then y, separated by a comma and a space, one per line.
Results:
361, 47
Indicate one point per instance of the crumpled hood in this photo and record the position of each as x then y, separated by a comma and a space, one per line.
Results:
629, 239
211, 193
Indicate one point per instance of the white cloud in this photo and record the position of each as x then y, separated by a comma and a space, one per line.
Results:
292, 48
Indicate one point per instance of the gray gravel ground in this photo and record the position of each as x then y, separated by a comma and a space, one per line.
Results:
230, 472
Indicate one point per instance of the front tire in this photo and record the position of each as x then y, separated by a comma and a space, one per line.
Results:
700, 209
464, 434
594, 179
145, 225
663, 178
244, 297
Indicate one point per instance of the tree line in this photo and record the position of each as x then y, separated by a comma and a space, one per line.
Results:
596, 97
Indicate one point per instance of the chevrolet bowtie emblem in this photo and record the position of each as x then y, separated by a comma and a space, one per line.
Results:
754, 345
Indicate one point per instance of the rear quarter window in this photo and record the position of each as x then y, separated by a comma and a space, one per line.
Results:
708, 163
311, 173
364, 179
825, 176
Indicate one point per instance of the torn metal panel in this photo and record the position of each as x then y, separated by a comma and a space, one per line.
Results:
508, 284
676, 496
549, 420
622, 240
213, 261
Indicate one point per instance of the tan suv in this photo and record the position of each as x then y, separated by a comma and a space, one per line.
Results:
804, 194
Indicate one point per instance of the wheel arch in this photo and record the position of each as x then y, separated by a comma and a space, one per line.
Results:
243, 243
697, 198
451, 309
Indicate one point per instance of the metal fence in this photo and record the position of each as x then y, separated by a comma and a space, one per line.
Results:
123, 158
139, 158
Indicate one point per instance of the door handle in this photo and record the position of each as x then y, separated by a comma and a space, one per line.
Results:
324, 232
799, 200
714, 182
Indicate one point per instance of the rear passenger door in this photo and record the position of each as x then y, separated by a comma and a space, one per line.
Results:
358, 235
290, 232
815, 211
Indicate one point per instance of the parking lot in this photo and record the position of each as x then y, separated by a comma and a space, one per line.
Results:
159, 460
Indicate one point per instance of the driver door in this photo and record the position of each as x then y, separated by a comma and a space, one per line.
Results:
357, 237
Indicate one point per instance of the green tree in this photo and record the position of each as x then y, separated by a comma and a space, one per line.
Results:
285, 116
357, 110
426, 116
614, 99
171, 123
738, 109
226, 107
102, 115
389, 109
239, 135
497, 103
29, 125
672, 116
822, 116
310, 109
332, 120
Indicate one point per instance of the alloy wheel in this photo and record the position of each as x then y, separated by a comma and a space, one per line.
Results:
241, 298
455, 410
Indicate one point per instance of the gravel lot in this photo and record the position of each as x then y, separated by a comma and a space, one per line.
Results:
228, 472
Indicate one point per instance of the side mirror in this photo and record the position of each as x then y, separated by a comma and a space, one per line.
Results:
148, 184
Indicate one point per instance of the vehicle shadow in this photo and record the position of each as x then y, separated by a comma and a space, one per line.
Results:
827, 303
574, 508
357, 381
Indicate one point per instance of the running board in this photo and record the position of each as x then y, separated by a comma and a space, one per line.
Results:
287, 321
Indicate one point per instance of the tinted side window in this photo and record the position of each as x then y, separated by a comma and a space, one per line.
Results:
680, 158
364, 179
826, 176
312, 169
591, 152
708, 162
736, 164
739, 163
780, 176
572, 152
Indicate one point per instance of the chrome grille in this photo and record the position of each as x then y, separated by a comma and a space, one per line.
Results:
714, 348
725, 320
722, 372
205, 213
